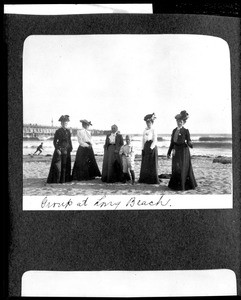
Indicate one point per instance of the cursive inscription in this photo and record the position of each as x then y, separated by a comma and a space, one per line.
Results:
103, 203
134, 202
83, 202
48, 204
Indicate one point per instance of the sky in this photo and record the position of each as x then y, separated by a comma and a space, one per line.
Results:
118, 79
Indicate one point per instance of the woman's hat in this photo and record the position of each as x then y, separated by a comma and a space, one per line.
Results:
150, 117
86, 122
182, 116
64, 118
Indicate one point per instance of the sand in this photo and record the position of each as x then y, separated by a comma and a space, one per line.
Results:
212, 178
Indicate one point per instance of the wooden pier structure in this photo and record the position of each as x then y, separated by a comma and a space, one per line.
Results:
43, 132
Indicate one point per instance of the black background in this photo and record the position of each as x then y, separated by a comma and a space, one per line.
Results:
118, 240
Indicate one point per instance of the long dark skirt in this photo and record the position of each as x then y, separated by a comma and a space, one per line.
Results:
182, 173
85, 166
149, 165
60, 169
112, 166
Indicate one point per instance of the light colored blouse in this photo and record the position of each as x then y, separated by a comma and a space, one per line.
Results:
149, 135
112, 138
84, 137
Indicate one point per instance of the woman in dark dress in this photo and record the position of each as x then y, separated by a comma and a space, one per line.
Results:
85, 166
182, 173
60, 168
112, 165
149, 161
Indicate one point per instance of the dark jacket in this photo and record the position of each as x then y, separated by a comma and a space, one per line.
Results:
182, 140
118, 142
62, 140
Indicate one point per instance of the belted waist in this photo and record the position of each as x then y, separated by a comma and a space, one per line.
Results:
182, 144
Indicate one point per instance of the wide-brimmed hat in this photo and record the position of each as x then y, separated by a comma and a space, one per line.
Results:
182, 116
84, 121
150, 117
64, 118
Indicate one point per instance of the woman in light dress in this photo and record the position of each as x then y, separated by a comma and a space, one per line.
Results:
85, 166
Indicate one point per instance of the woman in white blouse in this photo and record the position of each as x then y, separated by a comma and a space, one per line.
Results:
85, 166
149, 162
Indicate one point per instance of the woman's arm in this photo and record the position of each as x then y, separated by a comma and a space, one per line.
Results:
106, 142
188, 138
143, 139
70, 142
56, 140
121, 150
119, 143
171, 145
154, 139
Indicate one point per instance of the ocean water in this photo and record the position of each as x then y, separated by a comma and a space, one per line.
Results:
203, 145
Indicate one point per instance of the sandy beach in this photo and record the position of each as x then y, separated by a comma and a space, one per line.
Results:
212, 178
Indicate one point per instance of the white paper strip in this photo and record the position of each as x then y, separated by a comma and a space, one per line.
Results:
129, 283
125, 202
70, 9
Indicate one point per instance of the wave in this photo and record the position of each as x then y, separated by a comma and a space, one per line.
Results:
214, 139
30, 139
212, 145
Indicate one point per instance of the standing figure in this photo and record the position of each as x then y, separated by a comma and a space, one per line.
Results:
60, 168
128, 158
85, 166
112, 165
182, 173
149, 161
39, 149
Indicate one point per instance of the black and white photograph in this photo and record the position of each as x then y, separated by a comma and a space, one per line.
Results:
132, 114
124, 142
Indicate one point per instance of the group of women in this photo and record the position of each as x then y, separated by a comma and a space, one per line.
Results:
118, 157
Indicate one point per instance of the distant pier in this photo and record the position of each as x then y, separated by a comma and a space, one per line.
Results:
39, 132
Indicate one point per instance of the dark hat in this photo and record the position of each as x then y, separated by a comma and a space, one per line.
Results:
150, 117
86, 122
182, 116
64, 118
